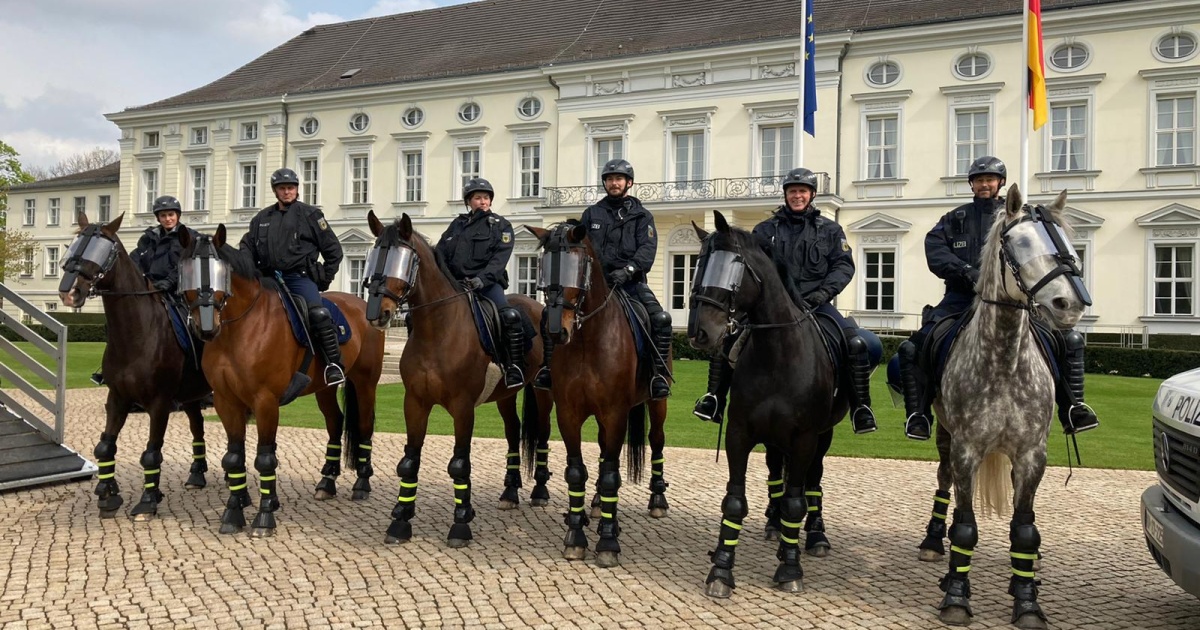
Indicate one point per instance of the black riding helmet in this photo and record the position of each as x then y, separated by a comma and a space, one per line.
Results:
284, 176
617, 167
799, 177
167, 202
987, 165
477, 184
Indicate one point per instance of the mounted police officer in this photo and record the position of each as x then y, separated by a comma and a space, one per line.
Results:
287, 237
476, 248
158, 250
623, 234
815, 263
953, 249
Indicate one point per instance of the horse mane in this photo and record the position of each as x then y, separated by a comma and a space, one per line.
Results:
241, 263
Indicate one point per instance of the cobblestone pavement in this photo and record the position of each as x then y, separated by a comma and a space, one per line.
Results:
327, 567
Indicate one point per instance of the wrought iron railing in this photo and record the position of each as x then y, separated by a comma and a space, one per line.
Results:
698, 190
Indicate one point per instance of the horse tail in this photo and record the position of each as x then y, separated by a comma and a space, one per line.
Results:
635, 443
994, 484
530, 426
350, 426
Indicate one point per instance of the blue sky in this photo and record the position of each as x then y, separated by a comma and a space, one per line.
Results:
69, 62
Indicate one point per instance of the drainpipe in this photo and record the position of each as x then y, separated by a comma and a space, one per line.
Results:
283, 104
837, 168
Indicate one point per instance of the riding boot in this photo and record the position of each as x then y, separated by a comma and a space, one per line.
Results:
862, 419
916, 425
514, 333
542, 379
709, 407
98, 377
660, 323
1074, 414
322, 328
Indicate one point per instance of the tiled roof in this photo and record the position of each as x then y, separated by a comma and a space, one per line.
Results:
503, 35
110, 174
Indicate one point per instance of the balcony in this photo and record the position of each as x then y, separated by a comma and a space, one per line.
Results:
722, 189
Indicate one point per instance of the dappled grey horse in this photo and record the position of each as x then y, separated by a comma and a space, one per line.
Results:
997, 399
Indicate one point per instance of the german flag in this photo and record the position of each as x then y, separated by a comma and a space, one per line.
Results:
1035, 60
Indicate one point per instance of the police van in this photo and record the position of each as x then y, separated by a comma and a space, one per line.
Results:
1171, 509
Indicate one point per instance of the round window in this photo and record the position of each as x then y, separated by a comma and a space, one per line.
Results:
468, 113
883, 73
359, 122
972, 66
413, 117
529, 107
1176, 47
1069, 57
309, 126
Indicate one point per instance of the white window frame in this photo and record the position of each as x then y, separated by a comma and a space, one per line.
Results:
151, 140
411, 113
873, 105
529, 170
539, 106
1069, 137
27, 262
356, 148
1175, 131
198, 195
78, 206
248, 131
149, 183
1170, 82
863, 253
975, 97
29, 218
972, 52
469, 113
412, 184
411, 143
695, 120
308, 130
244, 188
1174, 225
785, 134
310, 183
1070, 42
1175, 32
763, 115
104, 208
958, 168
1152, 294
882, 60
468, 139
680, 241
525, 278
461, 159
354, 282
358, 188
51, 261
53, 211
598, 129
882, 149
198, 136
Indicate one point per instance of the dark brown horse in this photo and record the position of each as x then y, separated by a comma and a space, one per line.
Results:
254, 363
444, 364
595, 372
142, 362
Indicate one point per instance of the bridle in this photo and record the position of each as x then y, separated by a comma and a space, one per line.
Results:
394, 257
92, 245
1063, 254
560, 258
731, 270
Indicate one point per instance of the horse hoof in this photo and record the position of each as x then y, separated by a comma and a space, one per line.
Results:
596, 512
819, 551
539, 502
929, 555
658, 513
393, 540
508, 505
574, 553
229, 528
143, 517
324, 495
195, 481
772, 534
107, 514
1030, 621
360, 495
607, 559
457, 543
262, 532
717, 589
791, 586
955, 616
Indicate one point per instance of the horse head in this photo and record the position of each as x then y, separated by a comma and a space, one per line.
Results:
392, 266
205, 278
564, 275
718, 292
90, 257
1039, 266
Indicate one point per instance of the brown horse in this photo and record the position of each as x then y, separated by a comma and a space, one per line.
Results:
254, 363
596, 373
142, 363
444, 364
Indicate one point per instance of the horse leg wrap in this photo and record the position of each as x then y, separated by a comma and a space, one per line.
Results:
1023, 586
266, 463
333, 461
459, 470
609, 485
935, 531
774, 496
364, 470
199, 459
956, 583
576, 518
512, 479
106, 460
658, 485
733, 511
234, 463
814, 523
541, 475
151, 470
792, 508
406, 502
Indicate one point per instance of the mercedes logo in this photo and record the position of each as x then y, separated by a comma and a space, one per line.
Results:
1164, 449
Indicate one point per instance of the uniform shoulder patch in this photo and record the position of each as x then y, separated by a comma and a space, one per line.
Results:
650, 230
506, 237
321, 222
845, 245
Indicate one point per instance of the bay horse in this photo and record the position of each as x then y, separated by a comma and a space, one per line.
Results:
595, 372
143, 362
996, 400
783, 393
253, 363
444, 364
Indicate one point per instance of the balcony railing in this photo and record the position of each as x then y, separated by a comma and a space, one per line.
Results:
725, 188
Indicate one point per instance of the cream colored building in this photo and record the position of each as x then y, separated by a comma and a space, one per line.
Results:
391, 114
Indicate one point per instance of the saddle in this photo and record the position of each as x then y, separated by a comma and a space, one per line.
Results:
639, 326
932, 356
490, 329
297, 314
178, 316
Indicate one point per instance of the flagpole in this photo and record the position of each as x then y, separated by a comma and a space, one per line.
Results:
800, 70
1027, 90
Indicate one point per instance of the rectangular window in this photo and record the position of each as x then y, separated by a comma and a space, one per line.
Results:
27, 263
50, 306
880, 280
414, 176
249, 131
970, 138
308, 181
1175, 130
1068, 137
608, 149
689, 158
80, 208
527, 272
357, 268
468, 165
775, 150
249, 182
882, 142
104, 211
52, 262
531, 170
199, 135
30, 212
683, 271
199, 187
360, 179
55, 210
150, 187
1174, 277
150, 140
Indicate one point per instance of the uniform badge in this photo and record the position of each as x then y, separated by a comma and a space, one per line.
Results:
506, 238
650, 230
845, 246
321, 222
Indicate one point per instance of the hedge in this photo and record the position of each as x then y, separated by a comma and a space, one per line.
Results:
75, 319
81, 332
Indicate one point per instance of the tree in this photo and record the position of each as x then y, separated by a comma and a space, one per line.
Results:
12, 244
78, 163
14, 247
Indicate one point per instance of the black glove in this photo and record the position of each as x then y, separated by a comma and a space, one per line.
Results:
471, 284
972, 275
162, 285
816, 298
618, 277
323, 286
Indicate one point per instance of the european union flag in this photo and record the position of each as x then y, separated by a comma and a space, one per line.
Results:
810, 70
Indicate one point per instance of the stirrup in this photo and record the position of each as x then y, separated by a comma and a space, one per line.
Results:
704, 415
542, 383
867, 427
914, 432
658, 383
334, 375
98, 378
1069, 427
513, 377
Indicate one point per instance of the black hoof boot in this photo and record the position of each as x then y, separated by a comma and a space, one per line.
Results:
460, 535
540, 497
196, 480
398, 532
147, 508
233, 520
510, 498
362, 489
326, 488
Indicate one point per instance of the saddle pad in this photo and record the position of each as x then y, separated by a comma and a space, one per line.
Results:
639, 322
487, 325
182, 335
834, 339
299, 322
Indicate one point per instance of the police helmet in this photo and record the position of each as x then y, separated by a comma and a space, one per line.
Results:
284, 176
477, 184
987, 165
800, 177
617, 167
166, 202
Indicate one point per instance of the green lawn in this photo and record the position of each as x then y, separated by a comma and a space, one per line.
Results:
1122, 441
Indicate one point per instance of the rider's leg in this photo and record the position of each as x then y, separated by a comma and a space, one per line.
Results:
1074, 414
321, 324
513, 330
542, 379
661, 332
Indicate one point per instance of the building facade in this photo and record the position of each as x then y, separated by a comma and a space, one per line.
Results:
707, 114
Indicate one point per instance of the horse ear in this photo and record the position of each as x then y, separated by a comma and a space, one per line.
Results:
722, 224
577, 233
218, 239
405, 224
700, 232
115, 225
1014, 202
373, 221
1060, 202
538, 232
